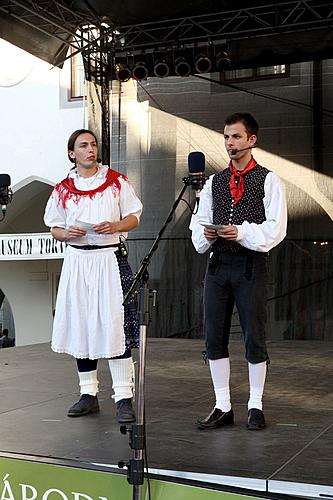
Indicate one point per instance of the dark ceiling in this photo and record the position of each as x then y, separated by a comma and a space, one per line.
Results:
256, 34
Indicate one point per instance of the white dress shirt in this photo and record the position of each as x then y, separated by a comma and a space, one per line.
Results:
258, 237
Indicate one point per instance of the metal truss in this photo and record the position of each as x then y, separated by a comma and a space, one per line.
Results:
258, 21
100, 42
51, 18
216, 29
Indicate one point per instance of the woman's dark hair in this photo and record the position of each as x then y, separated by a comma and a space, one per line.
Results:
250, 124
73, 137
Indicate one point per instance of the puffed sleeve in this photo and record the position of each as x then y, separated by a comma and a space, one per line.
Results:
263, 237
203, 215
129, 202
55, 214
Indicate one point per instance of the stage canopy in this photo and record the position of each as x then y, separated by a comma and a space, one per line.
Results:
259, 33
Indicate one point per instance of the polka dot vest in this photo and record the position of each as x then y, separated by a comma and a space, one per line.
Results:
249, 208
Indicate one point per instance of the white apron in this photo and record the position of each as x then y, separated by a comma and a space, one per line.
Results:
89, 317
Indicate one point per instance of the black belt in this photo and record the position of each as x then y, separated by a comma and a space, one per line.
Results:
93, 247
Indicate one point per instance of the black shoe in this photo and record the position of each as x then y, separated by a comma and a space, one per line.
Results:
256, 420
125, 412
86, 404
217, 418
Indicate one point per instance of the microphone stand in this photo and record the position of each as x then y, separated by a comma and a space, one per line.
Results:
135, 466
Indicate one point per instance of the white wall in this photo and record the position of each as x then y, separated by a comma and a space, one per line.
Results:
36, 121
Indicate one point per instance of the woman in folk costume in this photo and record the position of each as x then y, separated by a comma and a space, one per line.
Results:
91, 210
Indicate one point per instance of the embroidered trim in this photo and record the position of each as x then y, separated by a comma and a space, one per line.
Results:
105, 355
67, 191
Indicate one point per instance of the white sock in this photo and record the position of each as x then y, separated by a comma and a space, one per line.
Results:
88, 383
257, 377
122, 373
220, 372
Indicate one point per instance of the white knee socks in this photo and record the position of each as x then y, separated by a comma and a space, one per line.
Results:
220, 372
257, 377
88, 382
122, 373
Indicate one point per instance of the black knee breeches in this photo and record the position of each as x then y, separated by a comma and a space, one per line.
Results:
239, 279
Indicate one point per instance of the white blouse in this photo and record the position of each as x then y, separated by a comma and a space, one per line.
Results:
258, 237
110, 205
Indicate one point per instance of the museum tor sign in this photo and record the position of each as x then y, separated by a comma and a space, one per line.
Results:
30, 247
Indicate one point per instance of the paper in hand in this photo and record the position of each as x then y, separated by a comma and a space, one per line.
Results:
87, 226
212, 226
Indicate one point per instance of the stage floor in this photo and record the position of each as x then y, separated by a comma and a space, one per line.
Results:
38, 386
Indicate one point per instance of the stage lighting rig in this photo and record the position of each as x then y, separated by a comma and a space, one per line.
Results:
202, 63
182, 66
123, 72
222, 60
161, 68
140, 71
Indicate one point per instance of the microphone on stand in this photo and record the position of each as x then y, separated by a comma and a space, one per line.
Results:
235, 151
196, 168
6, 193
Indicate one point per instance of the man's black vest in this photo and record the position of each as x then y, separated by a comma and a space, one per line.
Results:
249, 208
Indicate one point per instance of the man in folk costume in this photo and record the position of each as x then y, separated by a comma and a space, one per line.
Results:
248, 201
91, 210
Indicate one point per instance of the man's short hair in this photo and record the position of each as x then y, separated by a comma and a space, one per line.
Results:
250, 123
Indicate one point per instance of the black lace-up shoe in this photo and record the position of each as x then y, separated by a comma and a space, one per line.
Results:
125, 412
256, 420
217, 418
86, 404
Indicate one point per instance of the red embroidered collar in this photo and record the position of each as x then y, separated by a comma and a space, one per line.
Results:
67, 190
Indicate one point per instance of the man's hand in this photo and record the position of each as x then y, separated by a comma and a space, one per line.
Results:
106, 227
210, 234
228, 232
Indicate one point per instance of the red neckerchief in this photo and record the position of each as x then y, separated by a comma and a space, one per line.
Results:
66, 188
237, 181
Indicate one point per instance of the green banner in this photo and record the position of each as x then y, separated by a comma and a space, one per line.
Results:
28, 480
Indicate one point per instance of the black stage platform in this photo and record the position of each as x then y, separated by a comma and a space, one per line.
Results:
294, 454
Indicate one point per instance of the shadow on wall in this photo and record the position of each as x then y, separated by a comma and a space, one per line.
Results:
300, 289
25, 212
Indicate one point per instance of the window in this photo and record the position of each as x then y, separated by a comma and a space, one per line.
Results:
263, 72
77, 87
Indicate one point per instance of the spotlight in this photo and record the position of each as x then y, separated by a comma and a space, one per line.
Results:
140, 71
222, 61
202, 64
182, 67
123, 73
161, 69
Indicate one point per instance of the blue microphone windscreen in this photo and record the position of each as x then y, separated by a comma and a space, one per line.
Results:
196, 162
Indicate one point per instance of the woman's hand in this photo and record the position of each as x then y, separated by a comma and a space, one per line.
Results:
106, 227
62, 234
75, 232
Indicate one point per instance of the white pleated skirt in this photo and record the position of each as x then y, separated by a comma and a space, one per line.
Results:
89, 315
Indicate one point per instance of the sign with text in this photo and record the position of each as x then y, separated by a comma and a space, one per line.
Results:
28, 480
30, 247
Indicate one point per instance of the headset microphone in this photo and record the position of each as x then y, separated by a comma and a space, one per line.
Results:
235, 151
